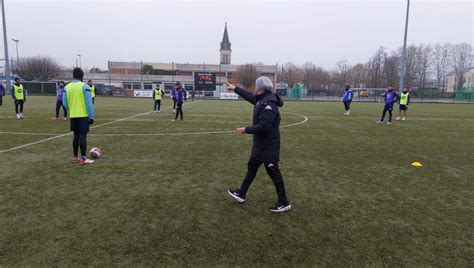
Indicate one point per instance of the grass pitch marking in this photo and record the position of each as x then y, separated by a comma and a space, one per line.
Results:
66, 134
69, 133
305, 119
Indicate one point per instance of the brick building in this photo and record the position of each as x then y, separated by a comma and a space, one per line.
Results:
146, 75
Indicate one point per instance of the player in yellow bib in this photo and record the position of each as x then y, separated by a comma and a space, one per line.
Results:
93, 91
77, 100
403, 104
19, 97
157, 96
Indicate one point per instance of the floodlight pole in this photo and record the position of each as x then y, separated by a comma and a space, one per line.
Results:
16, 44
404, 52
80, 63
5, 44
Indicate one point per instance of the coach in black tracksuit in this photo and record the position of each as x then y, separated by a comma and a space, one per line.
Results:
266, 140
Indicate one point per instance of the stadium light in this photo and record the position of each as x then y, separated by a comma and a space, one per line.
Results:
16, 43
404, 52
5, 44
80, 63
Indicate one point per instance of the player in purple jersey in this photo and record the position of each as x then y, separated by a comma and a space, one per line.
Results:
390, 97
59, 101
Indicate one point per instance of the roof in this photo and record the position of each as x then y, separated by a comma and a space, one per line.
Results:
225, 44
191, 67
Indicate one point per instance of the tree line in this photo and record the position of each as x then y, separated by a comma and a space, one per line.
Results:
424, 63
426, 66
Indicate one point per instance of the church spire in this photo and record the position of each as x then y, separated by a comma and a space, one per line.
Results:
225, 44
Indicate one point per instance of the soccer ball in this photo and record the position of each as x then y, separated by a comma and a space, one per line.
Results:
96, 152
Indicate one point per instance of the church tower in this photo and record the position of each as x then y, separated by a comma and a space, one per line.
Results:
225, 47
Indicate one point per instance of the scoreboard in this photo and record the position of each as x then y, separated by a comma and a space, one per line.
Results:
205, 81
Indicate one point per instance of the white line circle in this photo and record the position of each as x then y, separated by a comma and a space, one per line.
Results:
305, 119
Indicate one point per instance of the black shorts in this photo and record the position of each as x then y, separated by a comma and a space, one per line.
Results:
403, 107
388, 107
80, 124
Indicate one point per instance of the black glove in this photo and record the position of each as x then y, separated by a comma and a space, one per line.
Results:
91, 121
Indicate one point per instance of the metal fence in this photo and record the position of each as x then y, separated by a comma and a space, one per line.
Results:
375, 95
465, 95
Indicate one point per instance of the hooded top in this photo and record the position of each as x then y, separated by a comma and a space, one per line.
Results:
265, 124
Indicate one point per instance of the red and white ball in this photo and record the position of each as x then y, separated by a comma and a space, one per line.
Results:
96, 152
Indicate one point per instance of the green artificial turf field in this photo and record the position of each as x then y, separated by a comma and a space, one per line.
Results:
161, 198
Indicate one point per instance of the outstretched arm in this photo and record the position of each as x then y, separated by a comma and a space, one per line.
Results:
243, 93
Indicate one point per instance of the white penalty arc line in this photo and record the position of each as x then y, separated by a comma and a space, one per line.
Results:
66, 134
69, 133
305, 119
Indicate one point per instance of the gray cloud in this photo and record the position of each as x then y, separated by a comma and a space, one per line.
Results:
264, 31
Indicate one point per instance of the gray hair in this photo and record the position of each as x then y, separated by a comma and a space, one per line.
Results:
263, 83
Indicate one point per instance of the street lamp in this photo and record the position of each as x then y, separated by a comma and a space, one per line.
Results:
16, 43
404, 52
5, 44
80, 63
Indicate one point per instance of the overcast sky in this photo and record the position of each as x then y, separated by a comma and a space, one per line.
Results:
271, 32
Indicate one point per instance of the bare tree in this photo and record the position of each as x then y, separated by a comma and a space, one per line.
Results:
37, 68
424, 61
247, 74
375, 65
357, 75
309, 75
342, 67
411, 65
391, 68
461, 60
322, 78
291, 74
441, 63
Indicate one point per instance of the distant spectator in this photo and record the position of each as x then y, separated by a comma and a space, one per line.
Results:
403, 104
347, 99
2, 93
179, 102
59, 101
19, 97
157, 96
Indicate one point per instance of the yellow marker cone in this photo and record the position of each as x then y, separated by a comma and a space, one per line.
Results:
416, 164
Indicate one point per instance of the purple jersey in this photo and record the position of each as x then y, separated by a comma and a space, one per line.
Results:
59, 93
390, 97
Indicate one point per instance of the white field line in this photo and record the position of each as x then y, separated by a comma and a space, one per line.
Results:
305, 119
69, 133
27, 133
296, 124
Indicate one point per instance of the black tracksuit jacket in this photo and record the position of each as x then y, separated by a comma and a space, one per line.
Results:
265, 126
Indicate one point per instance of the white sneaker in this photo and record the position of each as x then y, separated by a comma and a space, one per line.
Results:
389, 123
154, 111
280, 207
403, 119
86, 161
17, 116
398, 118
379, 122
21, 116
